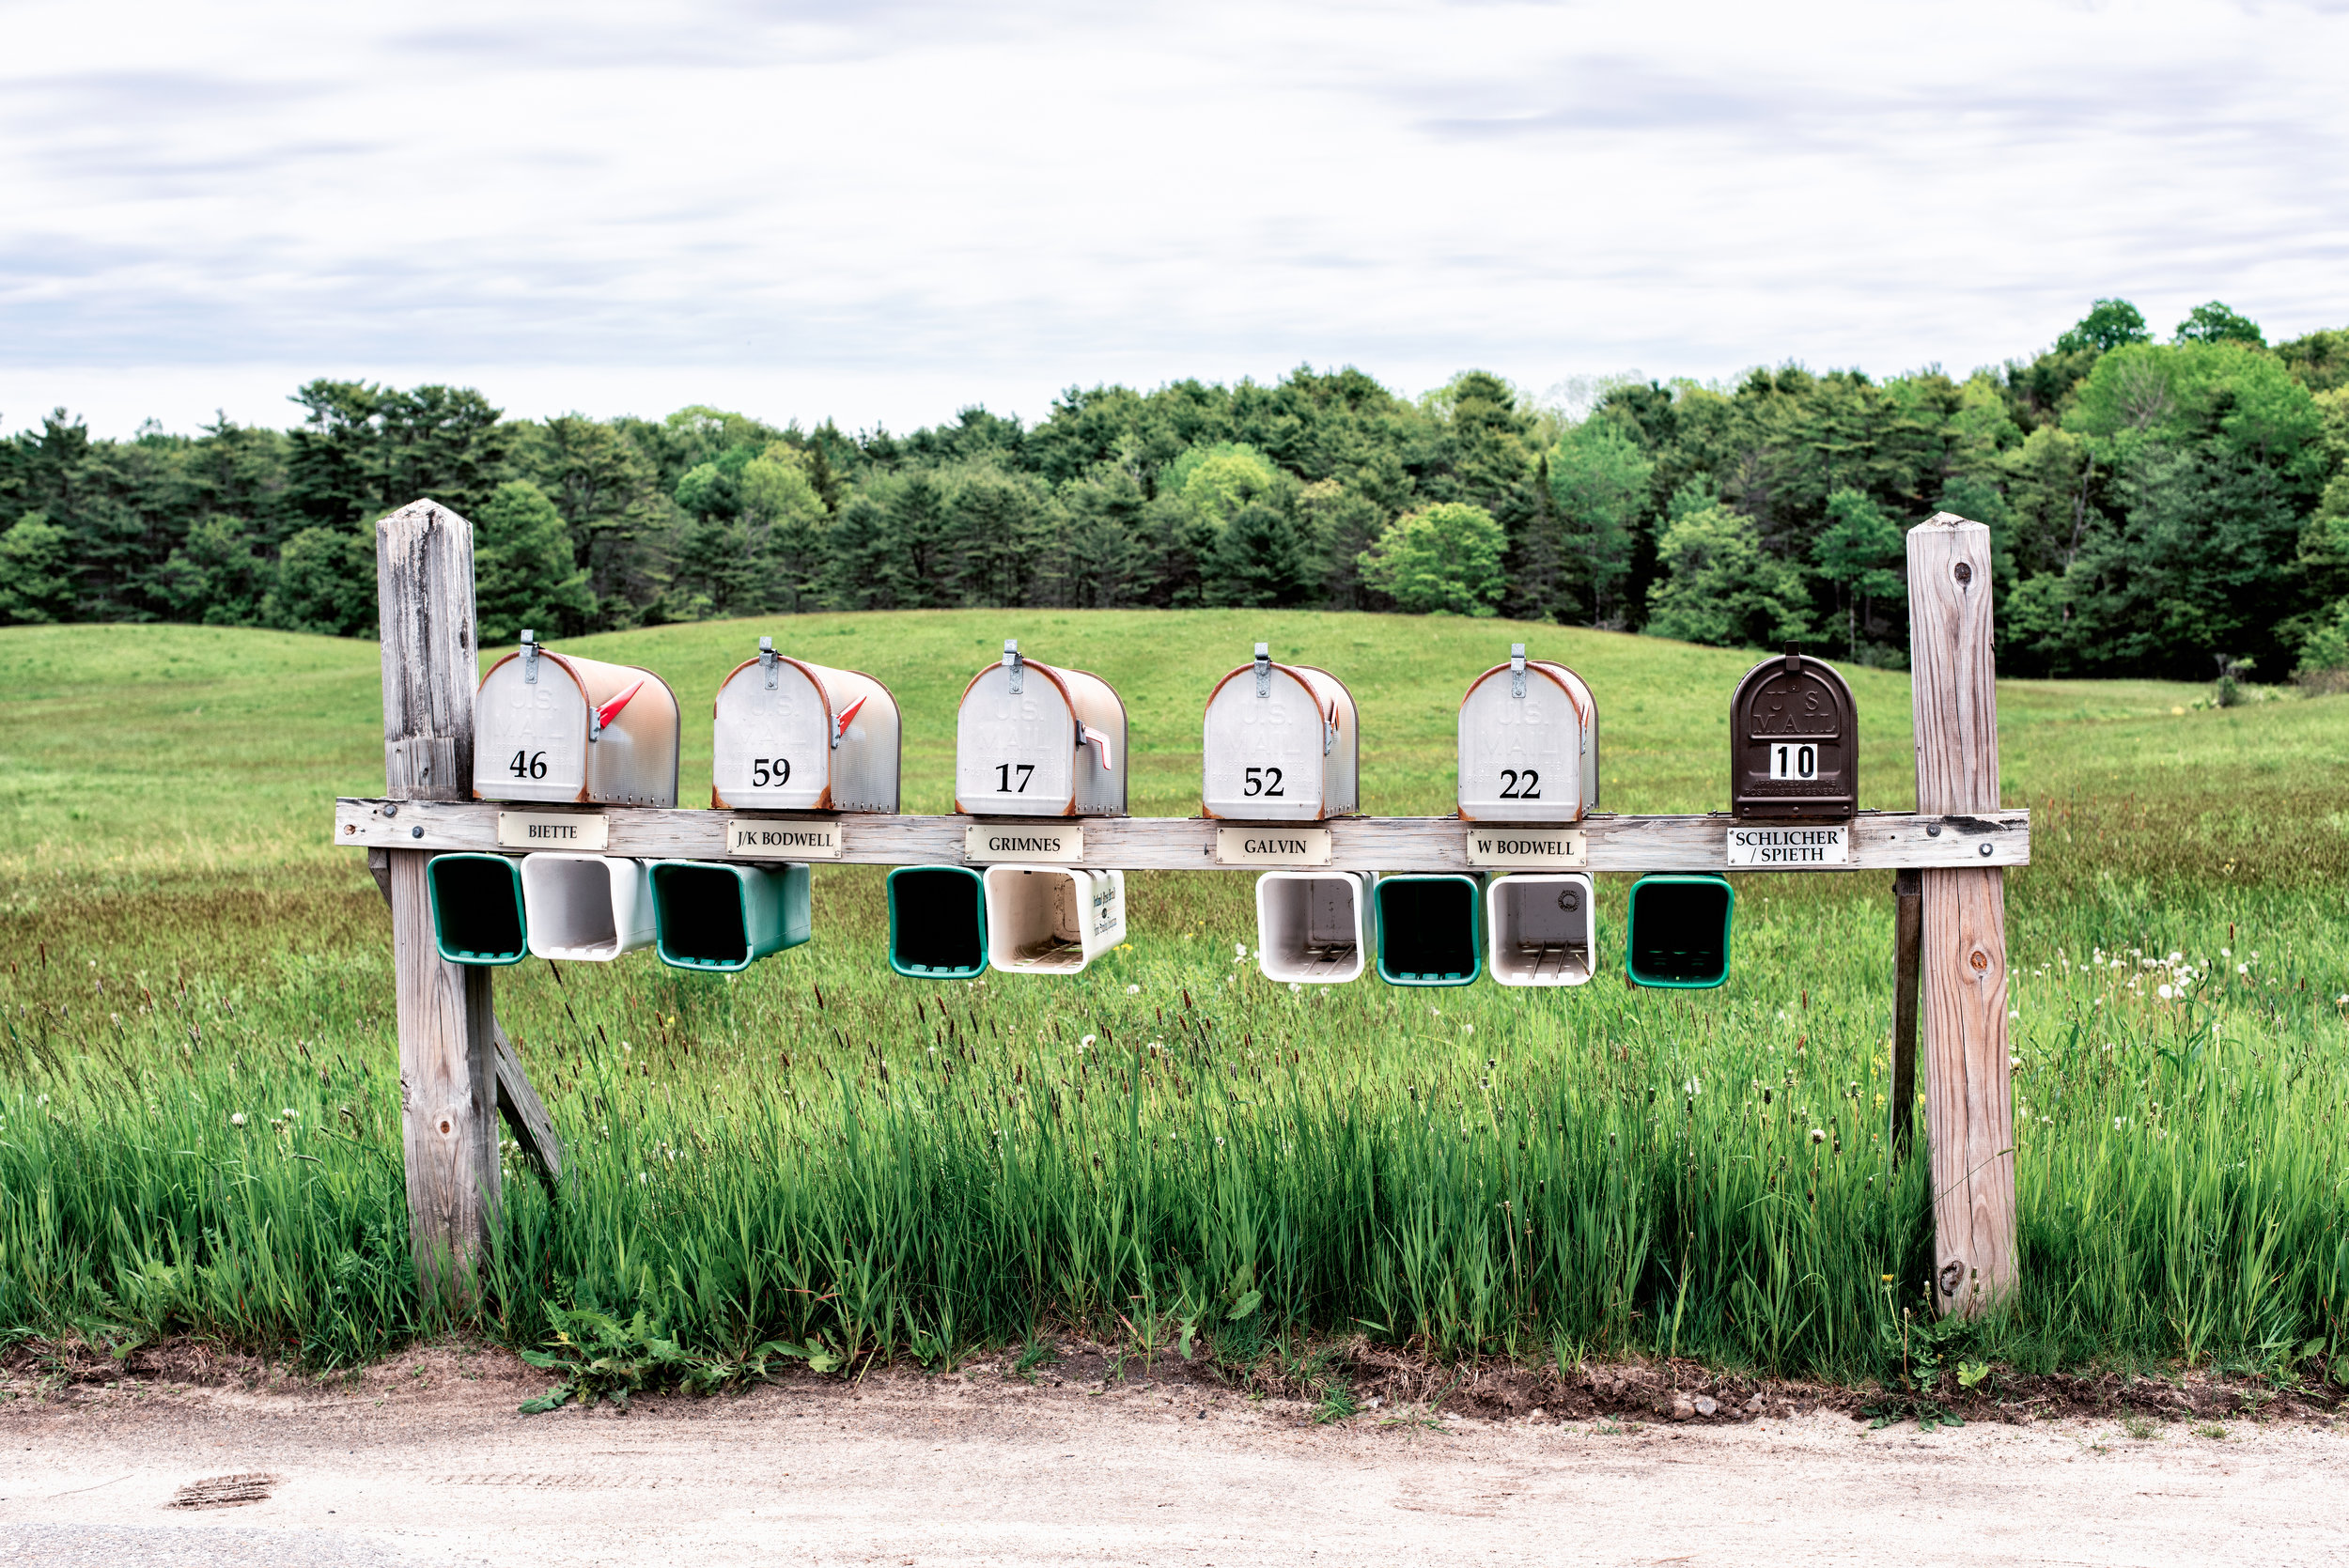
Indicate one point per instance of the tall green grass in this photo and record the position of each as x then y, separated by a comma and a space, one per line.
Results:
1170, 1147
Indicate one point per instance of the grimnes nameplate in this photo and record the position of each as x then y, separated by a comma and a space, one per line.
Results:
1530, 848
770, 840
992, 845
553, 830
1273, 846
1790, 848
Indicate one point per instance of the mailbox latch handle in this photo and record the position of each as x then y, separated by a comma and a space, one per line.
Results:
1011, 664
1793, 661
1517, 669
766, 661
1264, 668
530, 657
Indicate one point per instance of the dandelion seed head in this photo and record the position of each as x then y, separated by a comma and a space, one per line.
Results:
236, 1118
1818, 1135
1133, 991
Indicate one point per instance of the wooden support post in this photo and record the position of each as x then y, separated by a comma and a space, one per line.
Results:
1968, 1099
1908, 929
447, 1055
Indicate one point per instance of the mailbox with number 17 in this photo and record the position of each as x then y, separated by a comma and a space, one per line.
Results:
1794, 743
1038, 741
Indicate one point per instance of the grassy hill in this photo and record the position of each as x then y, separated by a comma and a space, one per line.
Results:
199, 1094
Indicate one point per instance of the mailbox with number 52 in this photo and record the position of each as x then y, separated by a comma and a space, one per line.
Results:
550, 727
1793, 746
1281, 744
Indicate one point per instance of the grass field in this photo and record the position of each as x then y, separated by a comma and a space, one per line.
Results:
198, 1092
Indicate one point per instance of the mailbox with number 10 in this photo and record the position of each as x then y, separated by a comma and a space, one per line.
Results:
1794, 743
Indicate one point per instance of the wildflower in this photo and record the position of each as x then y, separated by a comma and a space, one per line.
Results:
1239, 950
1468, 1029
1133, 991
1296, 989
236, 1118
288, 1113
1218, 1143
1086, 1041
2011, 1016
642, 1178
2119, 1121
2226, 953
2243, 969
1818, 1135
1888, 1279
1695, 1087
624, 1047
2013, 1060
2164, 992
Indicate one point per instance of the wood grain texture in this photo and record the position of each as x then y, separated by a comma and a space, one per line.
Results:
1880, 841
448, 1091
525, 1112
1969, 1097
1908, 930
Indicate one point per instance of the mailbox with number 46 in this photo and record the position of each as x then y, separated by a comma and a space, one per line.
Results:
550, 727
791, 736
1035, 740
1793, 747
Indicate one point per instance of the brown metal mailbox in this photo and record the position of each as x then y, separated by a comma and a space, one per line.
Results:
550, 727
1794, 743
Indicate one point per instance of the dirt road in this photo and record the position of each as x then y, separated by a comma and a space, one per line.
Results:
425, 1461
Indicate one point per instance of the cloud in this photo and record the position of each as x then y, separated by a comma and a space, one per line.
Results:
1019, 197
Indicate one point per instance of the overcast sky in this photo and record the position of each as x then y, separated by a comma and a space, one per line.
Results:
882, 213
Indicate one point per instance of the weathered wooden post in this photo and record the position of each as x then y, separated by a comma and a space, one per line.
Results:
1908, 930
1968, 1100
447, 1057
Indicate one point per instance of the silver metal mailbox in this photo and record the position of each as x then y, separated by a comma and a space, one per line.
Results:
547, 726
1035, 740
791, 736
1529, 744
1282, 743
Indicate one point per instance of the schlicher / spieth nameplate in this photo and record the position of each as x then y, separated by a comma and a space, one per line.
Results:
770, 839
989, 845
1790, 846
1273, 846
1530, 848
552, 829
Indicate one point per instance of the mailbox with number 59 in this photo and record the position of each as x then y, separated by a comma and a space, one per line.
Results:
1529, 744
550, 727
1793, 747
1035, 740
791, 736
1281, 744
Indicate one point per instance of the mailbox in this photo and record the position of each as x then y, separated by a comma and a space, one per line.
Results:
1544, 928
1312, 927
1430, 929
1529, 744
587, 906
1676, 932
550, 727
1052, 919
1793, 749
1281, 744
791, 736
721, 918
1035, 740
478, 915
937, 922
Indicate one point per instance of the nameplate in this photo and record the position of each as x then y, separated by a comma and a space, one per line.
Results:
553, 830
999, 845
766, 839
1530, 848
1273, 846
1790, 848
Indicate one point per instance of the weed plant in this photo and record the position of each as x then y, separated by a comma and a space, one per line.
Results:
199, 1125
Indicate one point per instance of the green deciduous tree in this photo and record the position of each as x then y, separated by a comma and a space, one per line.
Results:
35, 583
1599, 479
1442, 557
2217, 323
2109, 324
1722, 588
1857, 551
524, 571
325, 583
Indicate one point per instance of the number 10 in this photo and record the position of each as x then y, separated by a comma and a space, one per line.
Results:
1794, 762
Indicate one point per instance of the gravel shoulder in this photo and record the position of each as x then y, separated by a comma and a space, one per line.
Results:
425, 1460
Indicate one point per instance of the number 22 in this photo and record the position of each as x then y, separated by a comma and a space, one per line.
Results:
1516, 786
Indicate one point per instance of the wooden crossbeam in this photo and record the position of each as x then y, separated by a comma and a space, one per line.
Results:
1879, 840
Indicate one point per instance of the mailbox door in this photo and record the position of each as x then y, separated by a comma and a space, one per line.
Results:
1016, 756
772, 747
1098, 781
1793, 747
864, 766
1532, 758
633, 760
1264, 758
530, 735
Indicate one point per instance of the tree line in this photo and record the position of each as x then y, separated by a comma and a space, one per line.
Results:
2157, 507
